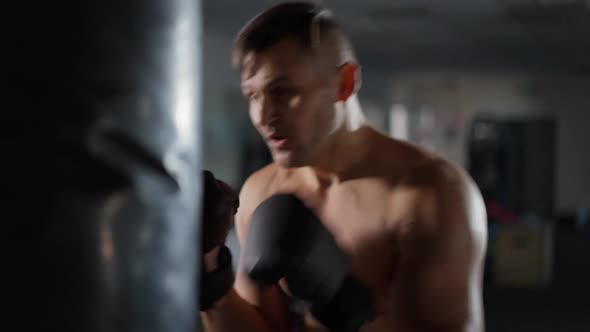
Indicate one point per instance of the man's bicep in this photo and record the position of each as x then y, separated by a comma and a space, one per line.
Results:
440, 279
444, 263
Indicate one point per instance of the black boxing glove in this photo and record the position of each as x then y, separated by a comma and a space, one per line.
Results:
220, 203
286, 240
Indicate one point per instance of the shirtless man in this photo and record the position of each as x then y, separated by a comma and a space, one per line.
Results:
412, 223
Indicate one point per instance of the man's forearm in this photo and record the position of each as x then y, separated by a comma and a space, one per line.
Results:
234, 314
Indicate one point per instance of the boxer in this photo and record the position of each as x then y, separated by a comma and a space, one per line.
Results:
347, 229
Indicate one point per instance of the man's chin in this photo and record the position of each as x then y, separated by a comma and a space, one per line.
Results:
287, 159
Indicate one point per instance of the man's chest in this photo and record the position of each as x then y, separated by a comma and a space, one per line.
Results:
360, 218
364, 223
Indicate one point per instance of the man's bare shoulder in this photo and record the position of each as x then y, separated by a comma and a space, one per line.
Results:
448, 206
391, 158
437, 185
415, 166
259, 186
260, 178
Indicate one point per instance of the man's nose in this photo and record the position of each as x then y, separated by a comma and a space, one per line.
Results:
267, 111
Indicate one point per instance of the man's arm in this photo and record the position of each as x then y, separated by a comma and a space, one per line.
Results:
248, 307
442, 260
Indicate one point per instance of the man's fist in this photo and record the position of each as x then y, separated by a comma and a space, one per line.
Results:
220, 203
219, 206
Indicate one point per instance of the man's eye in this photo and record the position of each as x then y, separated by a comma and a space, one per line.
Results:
251, 96
281, 91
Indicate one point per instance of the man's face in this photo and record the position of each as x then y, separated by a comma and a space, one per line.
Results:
291, 101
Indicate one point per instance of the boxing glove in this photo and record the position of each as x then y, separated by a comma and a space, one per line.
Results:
220, 203
287, 240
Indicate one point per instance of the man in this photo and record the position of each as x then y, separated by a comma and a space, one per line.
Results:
412, 223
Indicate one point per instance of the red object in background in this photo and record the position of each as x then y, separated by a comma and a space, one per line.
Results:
500, 213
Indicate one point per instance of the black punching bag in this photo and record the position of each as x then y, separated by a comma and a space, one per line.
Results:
101, 165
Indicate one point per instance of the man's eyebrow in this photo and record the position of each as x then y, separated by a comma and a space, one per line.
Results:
274, 81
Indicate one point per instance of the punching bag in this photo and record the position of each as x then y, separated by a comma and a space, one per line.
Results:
101, 165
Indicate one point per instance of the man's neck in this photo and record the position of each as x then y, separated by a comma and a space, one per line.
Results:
341, 154
345, 148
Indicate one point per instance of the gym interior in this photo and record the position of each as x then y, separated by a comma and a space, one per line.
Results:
114, 107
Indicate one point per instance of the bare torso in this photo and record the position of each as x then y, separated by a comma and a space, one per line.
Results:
355, 212
368, 212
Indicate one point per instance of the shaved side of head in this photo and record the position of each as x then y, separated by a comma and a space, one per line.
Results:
319, 36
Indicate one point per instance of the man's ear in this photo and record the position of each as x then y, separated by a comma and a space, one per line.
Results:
350, 80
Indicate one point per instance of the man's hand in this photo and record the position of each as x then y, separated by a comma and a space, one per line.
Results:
210, 259
287, 240
220, 204
219, 207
